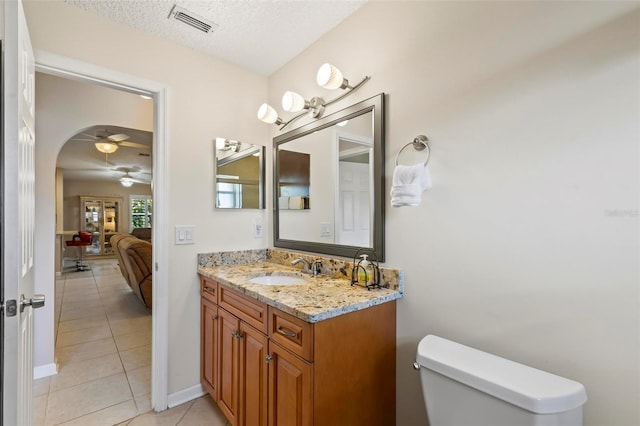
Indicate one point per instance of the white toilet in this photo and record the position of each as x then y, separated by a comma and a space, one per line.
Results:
463, 386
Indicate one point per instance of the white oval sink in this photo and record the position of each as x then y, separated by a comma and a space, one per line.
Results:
278, 280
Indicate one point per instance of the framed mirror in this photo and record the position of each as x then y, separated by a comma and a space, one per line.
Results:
329, 183
239, 175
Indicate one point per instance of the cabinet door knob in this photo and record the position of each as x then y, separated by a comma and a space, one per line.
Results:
237, 334
214, 317
268, 358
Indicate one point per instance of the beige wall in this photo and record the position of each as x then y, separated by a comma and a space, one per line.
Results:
207, 97
73, 190
527, 245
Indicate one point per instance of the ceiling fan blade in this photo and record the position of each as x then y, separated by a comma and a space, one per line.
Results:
134, 145
118, 137
90, 136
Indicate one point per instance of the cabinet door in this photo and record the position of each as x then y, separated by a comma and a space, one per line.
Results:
253, 377
228, 346
290, 389
209, 349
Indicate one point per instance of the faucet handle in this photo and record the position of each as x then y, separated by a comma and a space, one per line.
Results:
316, 267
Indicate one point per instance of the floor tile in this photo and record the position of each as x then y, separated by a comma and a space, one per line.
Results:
131, 324
108, 416
39, 409
41, 386
82, 323
132, 340
67, 315
203, 412
136, 357
86, 398
140, 381
87, 350
72, 374
168, 417
82, 336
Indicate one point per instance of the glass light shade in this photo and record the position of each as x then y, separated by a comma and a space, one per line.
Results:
292, 102
221, 143
267, 114
329, 77
106, 147
126, 181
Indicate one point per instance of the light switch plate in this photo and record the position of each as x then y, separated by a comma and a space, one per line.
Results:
185, 234
325, 229
257, 227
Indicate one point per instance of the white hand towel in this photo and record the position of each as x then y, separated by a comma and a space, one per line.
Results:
409, 182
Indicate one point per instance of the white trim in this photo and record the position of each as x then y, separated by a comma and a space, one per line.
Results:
45, 371
185, 395
61, 66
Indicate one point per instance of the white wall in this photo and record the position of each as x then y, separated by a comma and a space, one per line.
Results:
527, 245
207, 97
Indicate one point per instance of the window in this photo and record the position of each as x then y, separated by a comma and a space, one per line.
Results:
141, 209
229, 195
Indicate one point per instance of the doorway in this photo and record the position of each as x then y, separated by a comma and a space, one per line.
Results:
80, 71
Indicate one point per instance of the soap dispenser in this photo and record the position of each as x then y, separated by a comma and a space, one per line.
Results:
364, 271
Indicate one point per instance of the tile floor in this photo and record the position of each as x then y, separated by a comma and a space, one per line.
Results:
103, 349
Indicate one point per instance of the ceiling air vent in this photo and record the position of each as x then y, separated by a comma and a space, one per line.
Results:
191, 19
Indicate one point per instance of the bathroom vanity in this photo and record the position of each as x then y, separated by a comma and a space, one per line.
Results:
318, 352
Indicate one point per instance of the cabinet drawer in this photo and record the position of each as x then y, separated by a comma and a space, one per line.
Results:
291, 333
209, 290
247, 309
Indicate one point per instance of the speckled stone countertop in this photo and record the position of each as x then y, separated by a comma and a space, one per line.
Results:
320, 298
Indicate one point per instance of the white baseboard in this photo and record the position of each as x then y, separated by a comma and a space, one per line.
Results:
45, 371
185, 395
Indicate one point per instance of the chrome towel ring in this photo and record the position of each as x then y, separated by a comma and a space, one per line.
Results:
419, 143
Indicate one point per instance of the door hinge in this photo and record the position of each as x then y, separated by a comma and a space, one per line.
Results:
11, 306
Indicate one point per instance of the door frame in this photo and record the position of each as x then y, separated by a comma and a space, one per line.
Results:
72, 69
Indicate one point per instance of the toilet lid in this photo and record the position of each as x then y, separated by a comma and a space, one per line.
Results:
526, 387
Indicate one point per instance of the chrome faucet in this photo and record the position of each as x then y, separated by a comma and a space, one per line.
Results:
314, 267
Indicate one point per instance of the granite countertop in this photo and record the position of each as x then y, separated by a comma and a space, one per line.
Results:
321, 298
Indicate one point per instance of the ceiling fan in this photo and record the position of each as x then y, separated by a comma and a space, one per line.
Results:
127, 180
108, 144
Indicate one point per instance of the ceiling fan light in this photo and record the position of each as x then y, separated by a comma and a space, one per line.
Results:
126, 181
106, 147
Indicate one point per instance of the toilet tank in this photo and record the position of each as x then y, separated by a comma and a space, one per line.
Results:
463, 386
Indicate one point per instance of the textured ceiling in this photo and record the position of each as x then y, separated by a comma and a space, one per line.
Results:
258, 35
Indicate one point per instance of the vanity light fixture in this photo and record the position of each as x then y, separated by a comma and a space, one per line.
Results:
223, 144
106, 147
328, 77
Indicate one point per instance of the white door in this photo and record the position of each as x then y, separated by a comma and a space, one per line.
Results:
18, 216
353, 209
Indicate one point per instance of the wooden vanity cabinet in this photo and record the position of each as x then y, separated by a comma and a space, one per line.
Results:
273, 369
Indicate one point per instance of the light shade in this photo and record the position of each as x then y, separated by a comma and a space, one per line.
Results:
106, 147
221, 143
267, 114
330, 77
293, 102
126, 181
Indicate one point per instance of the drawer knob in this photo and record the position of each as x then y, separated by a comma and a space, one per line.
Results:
208, 289
214, 317
237, 334
287, 333
268, 358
